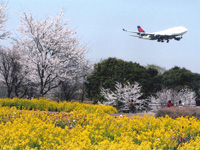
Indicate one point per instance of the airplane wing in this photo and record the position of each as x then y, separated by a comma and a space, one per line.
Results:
137, 32
130, 31
136, 36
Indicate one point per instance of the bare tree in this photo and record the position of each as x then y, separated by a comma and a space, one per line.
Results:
49, 51
3, 19
10, 71
70, 89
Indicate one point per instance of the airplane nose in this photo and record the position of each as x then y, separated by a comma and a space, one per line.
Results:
186, 30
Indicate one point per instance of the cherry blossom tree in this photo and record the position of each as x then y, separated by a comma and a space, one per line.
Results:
3, 19
70, 89
49, 51
186, 96
122, 95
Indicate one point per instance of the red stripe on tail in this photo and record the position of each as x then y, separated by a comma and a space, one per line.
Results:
140, 29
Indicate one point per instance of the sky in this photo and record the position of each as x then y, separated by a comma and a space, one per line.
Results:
99, 23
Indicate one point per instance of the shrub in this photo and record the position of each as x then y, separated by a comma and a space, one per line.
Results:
44, 104
175, 112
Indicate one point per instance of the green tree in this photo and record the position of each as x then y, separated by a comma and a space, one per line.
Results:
178, 78
112, 70
195, 84
160, 70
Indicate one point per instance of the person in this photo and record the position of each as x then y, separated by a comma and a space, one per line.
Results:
131, 106
169, 104
180, 103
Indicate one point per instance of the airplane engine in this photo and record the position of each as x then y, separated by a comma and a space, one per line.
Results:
142, 34
178, 38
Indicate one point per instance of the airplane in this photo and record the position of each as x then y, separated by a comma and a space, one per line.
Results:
172, 33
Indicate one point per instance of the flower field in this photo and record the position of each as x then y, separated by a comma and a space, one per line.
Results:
86, 128
44, 104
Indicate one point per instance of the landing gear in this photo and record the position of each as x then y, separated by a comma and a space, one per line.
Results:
160, 40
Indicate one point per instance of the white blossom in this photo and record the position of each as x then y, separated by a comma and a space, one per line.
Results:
186, 96
49, 51
3, 19
123, 94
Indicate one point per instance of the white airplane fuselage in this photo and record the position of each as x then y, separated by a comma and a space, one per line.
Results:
176, 31
161, 36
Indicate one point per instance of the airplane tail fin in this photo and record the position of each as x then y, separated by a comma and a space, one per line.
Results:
140, 29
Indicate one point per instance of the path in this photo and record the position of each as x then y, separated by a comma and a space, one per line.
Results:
131, 114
